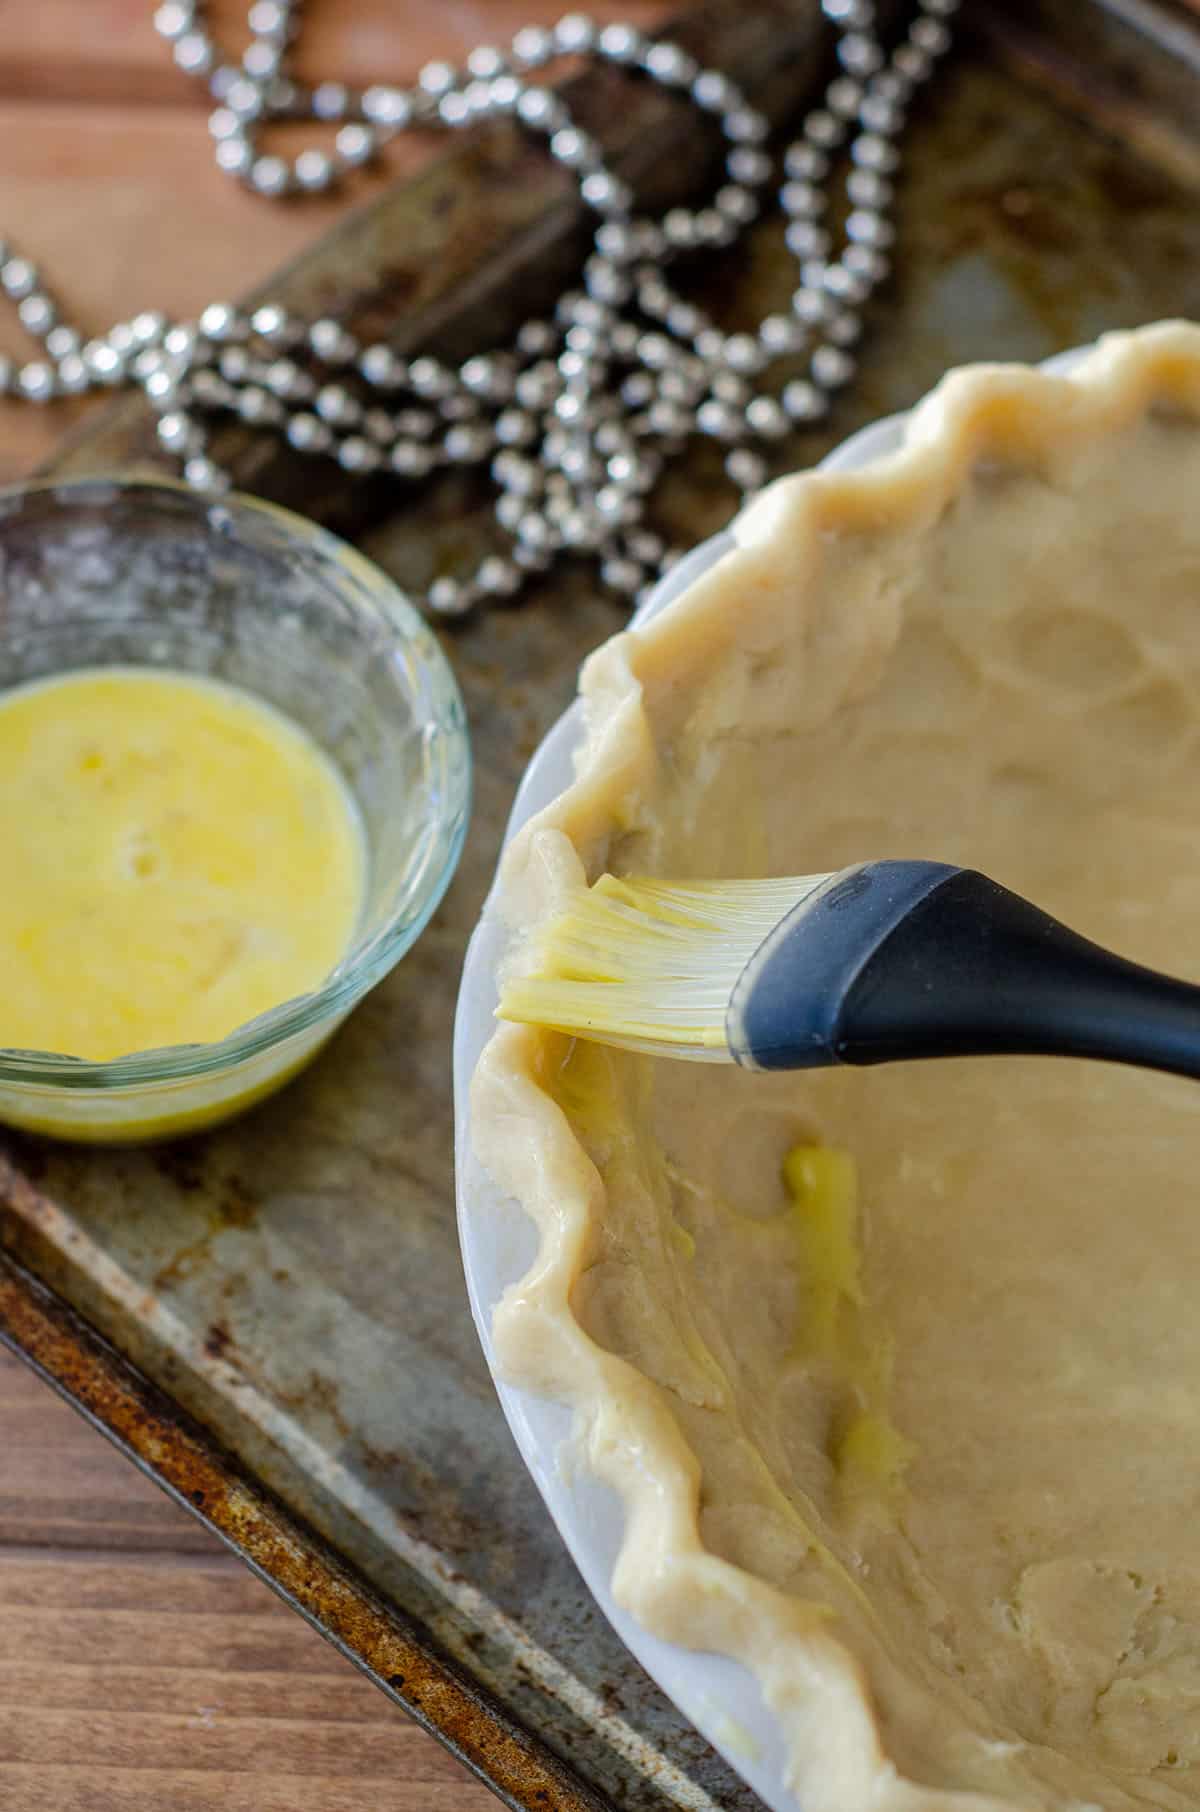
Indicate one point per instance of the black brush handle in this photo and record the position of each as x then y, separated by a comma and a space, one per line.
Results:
785, 1011
974, 970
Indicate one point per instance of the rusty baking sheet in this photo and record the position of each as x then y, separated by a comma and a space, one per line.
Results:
291, 1283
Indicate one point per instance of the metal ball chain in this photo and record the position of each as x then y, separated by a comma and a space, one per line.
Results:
576, 418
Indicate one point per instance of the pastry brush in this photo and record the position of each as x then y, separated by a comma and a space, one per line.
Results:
883, 961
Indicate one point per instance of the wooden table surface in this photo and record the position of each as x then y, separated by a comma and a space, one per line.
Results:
141, 1667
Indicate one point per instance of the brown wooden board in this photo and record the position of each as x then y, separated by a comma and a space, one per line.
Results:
292, 1282
142, 1666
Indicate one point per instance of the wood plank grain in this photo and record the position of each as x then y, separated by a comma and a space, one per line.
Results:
234, 1742
58, 1490
86, 1788
335, 1697
214, 1583
126, 210
249, 1640
138, 1679
66, 170
108, 50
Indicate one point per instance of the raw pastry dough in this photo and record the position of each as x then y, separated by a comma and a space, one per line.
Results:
984, 649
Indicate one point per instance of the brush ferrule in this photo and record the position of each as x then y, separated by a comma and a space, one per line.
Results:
785, 1009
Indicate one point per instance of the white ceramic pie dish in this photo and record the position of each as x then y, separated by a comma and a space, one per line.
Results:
499, 1243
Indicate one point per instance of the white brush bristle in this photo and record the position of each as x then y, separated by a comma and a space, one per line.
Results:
650, 965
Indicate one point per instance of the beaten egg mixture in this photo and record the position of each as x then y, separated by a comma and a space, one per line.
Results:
178, 858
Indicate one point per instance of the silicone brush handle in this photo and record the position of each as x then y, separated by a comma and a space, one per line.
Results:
903, 960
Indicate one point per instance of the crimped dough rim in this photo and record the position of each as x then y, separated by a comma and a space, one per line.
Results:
664, 1577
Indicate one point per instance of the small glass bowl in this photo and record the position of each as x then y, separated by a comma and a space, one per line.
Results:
113, 572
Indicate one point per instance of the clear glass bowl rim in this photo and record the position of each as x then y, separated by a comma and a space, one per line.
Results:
368, 960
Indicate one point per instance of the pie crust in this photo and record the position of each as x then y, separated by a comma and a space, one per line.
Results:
984, 649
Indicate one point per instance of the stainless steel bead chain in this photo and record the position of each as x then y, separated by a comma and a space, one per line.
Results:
576, 418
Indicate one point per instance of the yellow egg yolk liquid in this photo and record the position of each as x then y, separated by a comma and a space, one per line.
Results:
177, 857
